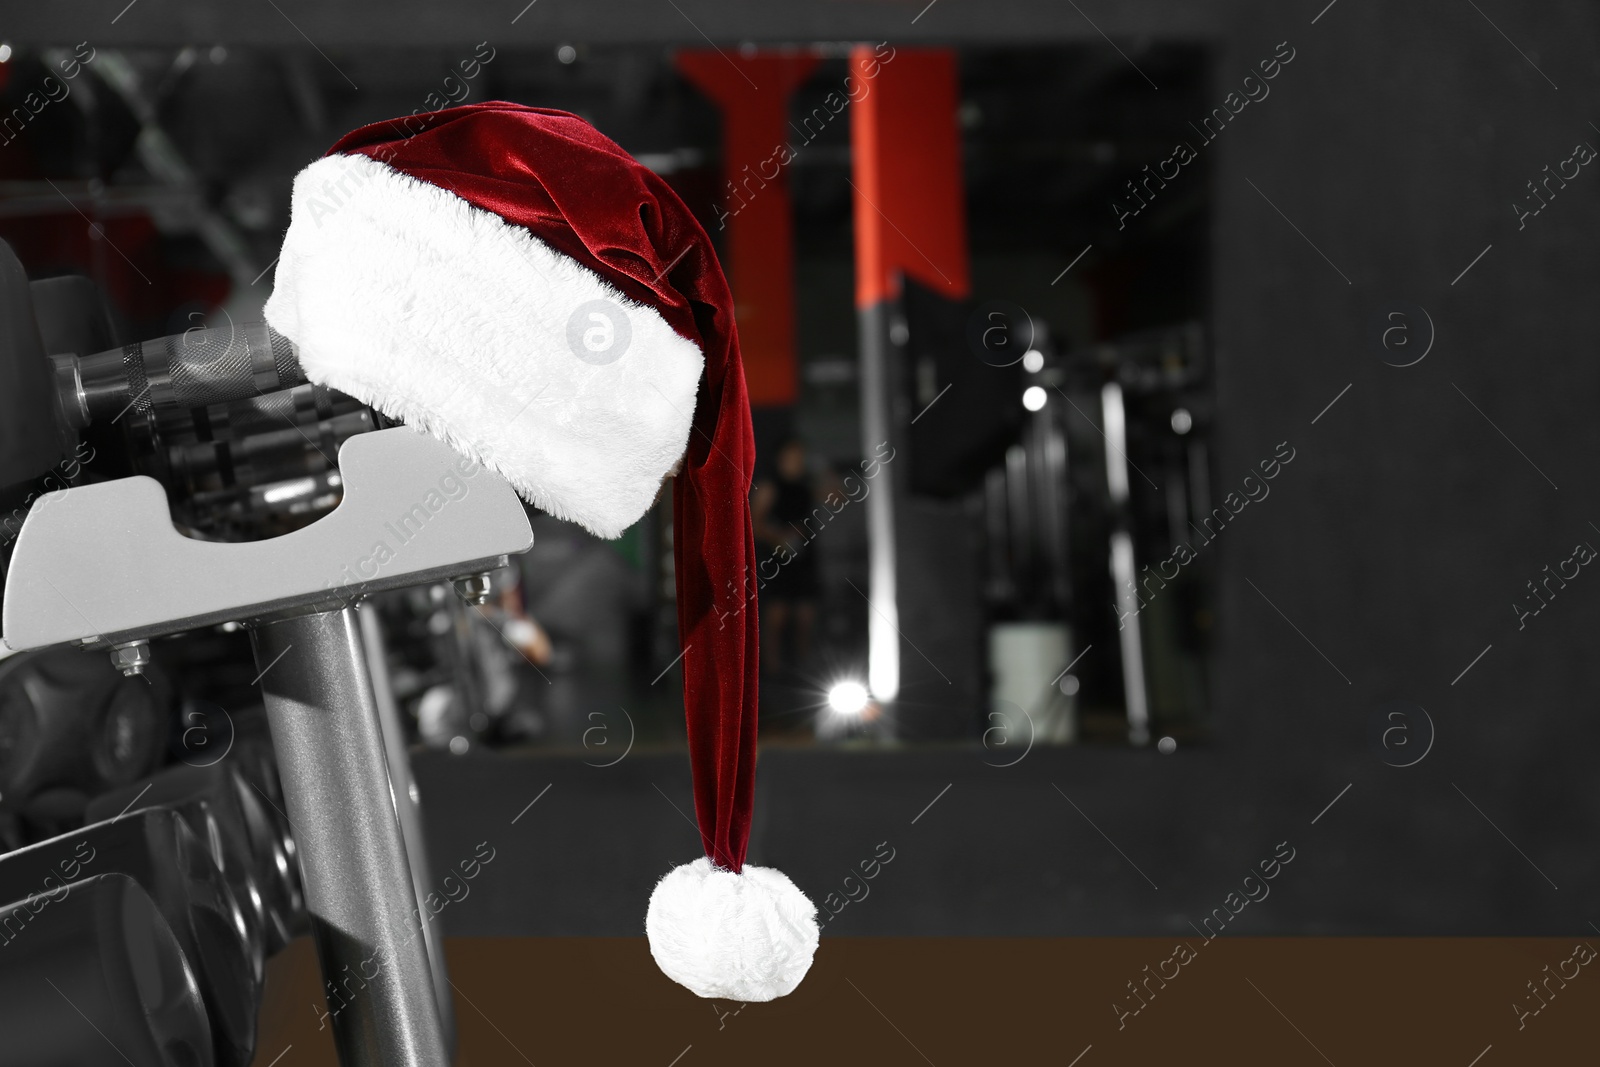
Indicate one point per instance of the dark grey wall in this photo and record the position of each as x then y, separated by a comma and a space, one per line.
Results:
1407, 525
1066, 842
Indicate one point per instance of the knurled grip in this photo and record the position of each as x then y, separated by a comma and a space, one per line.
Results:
205, 365
284, 358
133, 367
208, 366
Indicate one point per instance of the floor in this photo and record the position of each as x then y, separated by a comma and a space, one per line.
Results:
888, 1001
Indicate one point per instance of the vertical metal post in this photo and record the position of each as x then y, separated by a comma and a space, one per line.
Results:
1124, 572
327, 732
877, 427
408, 807
910, 220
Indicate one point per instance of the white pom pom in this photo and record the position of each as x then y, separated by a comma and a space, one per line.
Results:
748, 936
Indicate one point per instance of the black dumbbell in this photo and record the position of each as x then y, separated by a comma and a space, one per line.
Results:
210, 800
71, 721
158, 850
91, 975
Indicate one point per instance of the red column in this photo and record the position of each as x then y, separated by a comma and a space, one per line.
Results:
758, 245
906, 151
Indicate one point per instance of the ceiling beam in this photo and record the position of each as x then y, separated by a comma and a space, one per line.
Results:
342, 24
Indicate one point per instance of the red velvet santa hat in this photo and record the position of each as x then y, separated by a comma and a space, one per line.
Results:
514, 283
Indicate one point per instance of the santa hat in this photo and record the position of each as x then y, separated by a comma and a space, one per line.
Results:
514, 283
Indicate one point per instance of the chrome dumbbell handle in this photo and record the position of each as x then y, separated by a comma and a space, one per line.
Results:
205, 365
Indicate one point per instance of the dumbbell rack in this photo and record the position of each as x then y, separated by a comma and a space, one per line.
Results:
102, 568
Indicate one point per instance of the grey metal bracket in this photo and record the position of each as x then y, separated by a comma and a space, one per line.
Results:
102, 564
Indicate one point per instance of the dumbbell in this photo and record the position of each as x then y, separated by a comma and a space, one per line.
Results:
261, 799
211, 801
92, 975
72, 722
156, 848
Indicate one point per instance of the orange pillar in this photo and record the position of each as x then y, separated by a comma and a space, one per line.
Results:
910, 209
758, 242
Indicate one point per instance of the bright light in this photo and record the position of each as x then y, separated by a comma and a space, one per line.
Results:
848, 698
1033, 361
288, 490
566, 53
1182, 421
883, 625
5, 53
1033, 397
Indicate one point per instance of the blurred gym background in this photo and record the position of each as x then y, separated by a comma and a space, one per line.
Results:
1009, 350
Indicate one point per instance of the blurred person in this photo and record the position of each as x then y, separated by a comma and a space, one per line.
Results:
521, 630
508, 642
780, 510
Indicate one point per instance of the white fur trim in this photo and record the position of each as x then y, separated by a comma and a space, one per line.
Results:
448, 318
748, 936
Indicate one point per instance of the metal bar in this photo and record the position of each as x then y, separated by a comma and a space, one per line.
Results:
408, 807
328, 736
878, 427
1124, 572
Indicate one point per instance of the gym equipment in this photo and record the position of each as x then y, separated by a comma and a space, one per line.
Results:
68, 722
228, 442
215, 802
33, 438
96, 978
1106, 479
157, 850
408, 808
